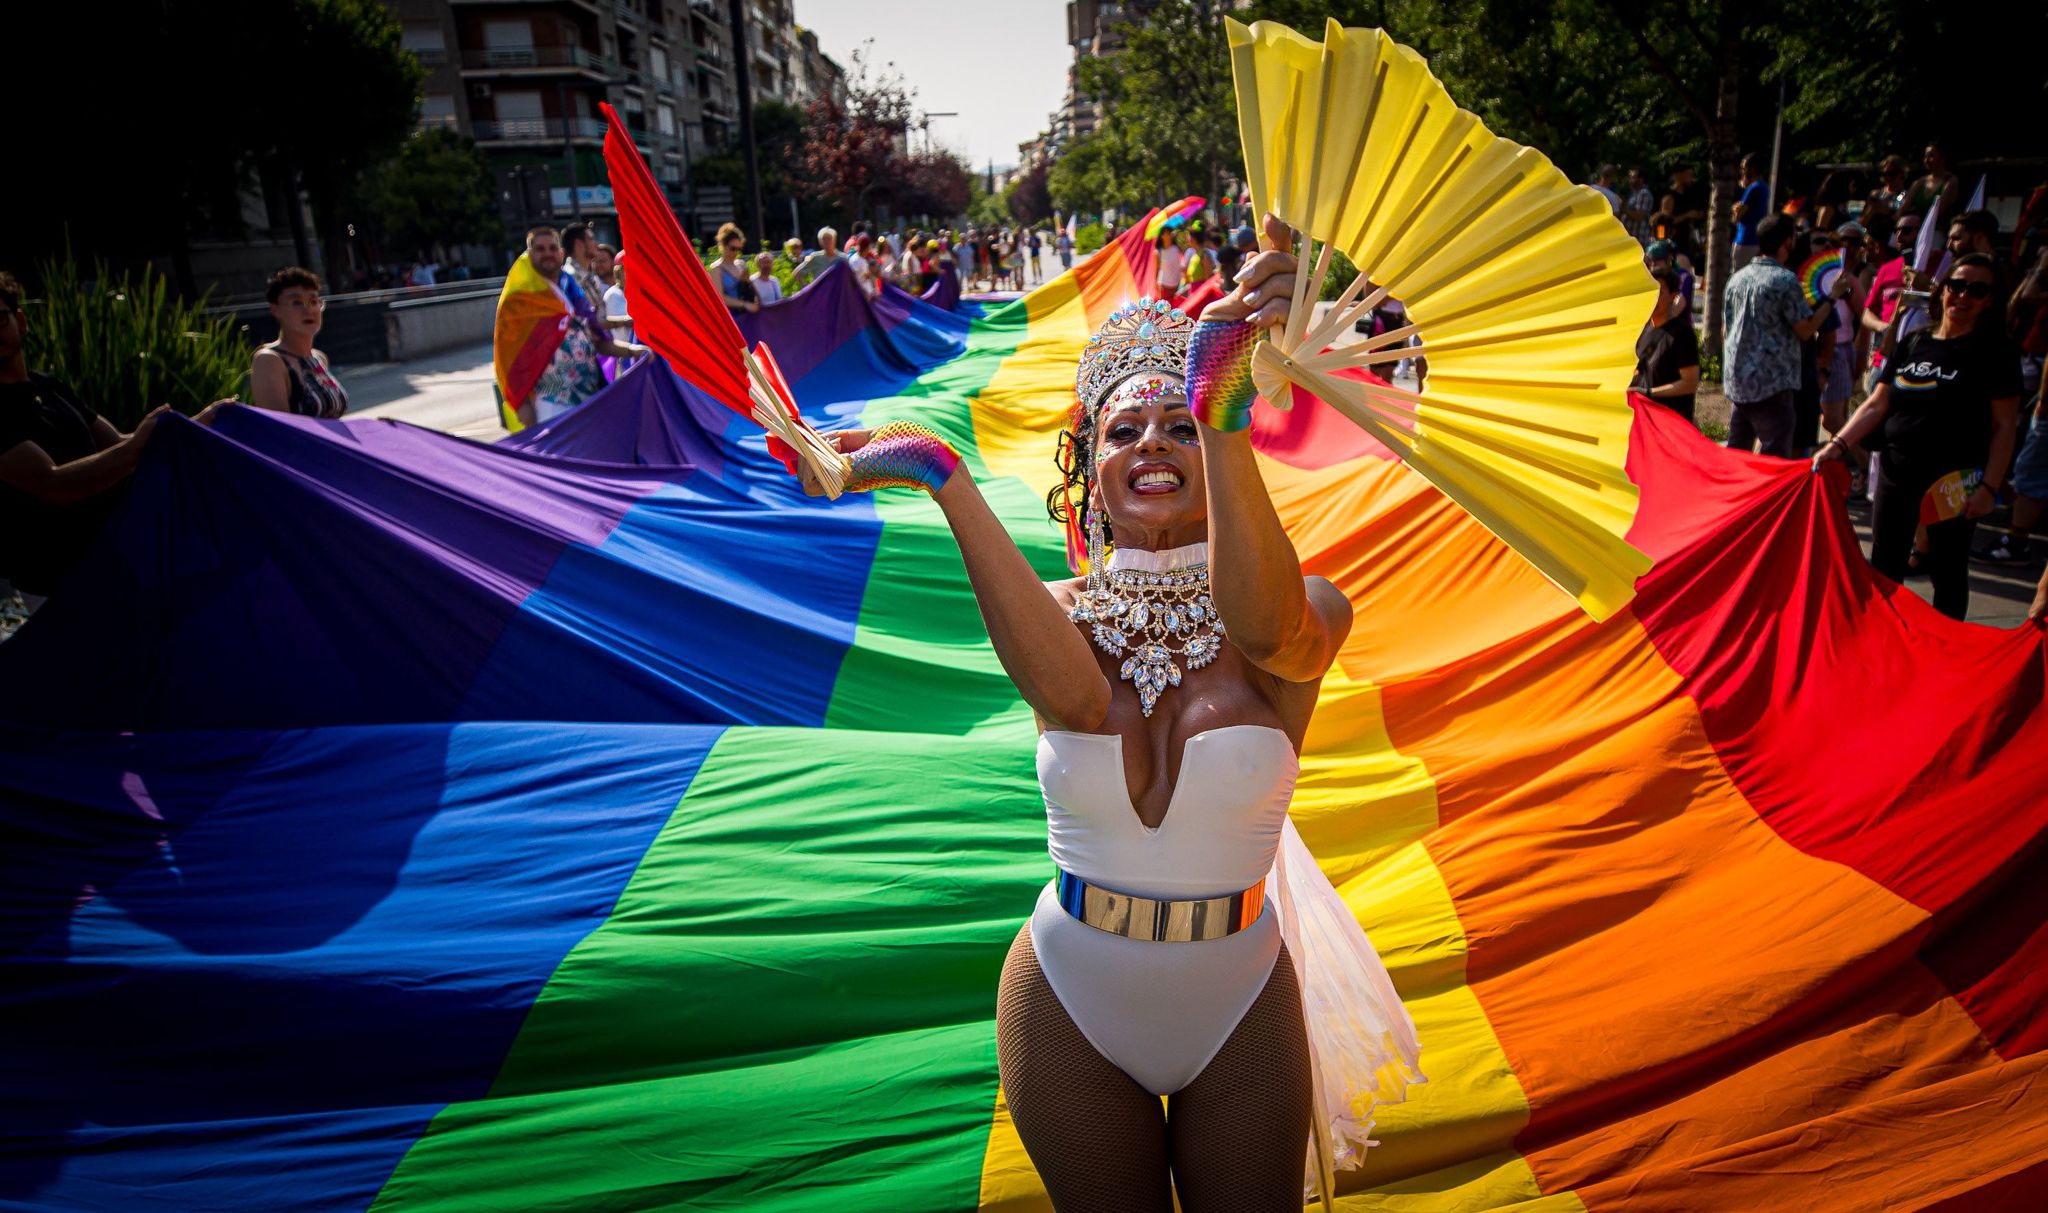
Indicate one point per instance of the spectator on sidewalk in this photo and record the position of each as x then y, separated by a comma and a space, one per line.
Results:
1172, 264
1881, 304
1767, 320
1838, 374
288, 375
1663, 254
1681, 213
2030, 470
1603, 181
1936, 184
730, 273
1751, 209
1890, 190
766, 289
1064, 245
1977, 232
1637, 208
819, 261
579, 246
1945, 406
1668, 352
618, 316
61, 464
574, 374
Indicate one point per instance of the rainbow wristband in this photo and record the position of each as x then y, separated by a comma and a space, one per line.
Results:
902, 455
1220, 391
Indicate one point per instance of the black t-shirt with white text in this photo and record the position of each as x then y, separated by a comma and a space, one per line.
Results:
1939, 418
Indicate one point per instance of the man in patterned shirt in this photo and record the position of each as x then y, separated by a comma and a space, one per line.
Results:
1767, 319
573, 375
1637, 208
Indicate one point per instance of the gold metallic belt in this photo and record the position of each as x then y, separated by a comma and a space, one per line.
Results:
1156, 919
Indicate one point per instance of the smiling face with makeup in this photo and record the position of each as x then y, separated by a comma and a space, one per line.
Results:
1148, 466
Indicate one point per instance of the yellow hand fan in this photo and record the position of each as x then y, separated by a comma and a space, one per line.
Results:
1526, 292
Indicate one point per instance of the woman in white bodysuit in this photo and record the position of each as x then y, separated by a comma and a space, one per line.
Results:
1173, 687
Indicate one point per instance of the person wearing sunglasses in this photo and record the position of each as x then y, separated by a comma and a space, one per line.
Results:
735, 285
1946, 404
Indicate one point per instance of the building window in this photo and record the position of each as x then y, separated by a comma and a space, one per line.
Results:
426, 42
438, 112
508, 35
657, 62
665, 118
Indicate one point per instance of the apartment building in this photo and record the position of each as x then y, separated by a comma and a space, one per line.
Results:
524, 78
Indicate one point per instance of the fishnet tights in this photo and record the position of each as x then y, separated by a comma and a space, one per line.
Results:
1233, 1139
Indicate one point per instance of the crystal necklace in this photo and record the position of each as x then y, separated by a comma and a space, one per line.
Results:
1149, 608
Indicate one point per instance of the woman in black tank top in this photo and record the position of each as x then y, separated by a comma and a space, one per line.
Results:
288, 374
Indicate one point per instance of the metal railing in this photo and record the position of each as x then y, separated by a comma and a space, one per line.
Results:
502, 57
537, 128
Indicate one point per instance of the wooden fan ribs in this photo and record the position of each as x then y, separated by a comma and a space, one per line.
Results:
1524, 291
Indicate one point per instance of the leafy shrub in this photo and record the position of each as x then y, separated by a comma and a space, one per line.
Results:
127, 345
1091, 237
1342, 274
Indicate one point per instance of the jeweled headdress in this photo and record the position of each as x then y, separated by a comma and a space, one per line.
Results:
1148, 336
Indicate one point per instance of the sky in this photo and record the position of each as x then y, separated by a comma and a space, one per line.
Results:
1001, 66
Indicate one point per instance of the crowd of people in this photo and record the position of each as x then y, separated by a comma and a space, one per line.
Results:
1921, 375
1847, 338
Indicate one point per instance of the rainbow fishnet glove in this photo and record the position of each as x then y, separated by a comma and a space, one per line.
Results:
1220, 391
902, 455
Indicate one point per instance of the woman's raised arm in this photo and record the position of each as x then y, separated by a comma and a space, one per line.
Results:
1289, 626
1041, 650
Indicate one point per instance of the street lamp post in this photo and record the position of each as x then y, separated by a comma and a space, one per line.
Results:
924, 124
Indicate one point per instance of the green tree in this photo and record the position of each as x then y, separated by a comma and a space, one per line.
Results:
848, 148
985, 209
1029, 201
437, 189
324, 138
779, 132
934, 184
1171, 125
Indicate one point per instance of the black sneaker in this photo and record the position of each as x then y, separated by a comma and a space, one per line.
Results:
2002, 553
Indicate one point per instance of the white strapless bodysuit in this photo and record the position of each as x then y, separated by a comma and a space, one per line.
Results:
1160, 1011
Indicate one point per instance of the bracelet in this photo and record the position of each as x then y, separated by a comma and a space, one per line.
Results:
1219, 374
902, 455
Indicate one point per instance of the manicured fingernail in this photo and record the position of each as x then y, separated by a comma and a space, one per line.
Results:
1251, 296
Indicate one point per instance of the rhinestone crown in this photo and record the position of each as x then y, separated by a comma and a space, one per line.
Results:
1149, 335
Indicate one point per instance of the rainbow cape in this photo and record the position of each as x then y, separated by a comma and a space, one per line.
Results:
591, 821
528, 330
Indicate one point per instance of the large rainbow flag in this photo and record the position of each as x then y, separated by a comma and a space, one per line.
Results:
592, 822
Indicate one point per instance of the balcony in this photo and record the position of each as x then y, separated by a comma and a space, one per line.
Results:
535, 60
590, 6
537, 130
